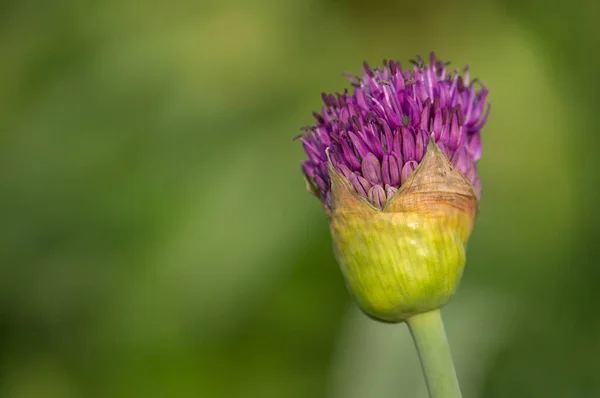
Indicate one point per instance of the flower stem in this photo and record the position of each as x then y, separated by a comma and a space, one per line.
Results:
430, 339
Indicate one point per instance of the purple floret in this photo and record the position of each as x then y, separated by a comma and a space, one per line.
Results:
377, 135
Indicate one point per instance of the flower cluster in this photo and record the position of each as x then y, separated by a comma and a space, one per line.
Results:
376, 136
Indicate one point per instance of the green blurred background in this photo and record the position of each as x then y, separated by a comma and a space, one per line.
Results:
156, 239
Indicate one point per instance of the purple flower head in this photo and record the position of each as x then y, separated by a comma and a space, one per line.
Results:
376, 136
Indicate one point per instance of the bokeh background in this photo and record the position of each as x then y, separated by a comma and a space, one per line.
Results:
156, 239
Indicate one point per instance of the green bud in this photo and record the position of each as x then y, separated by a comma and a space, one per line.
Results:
409, 257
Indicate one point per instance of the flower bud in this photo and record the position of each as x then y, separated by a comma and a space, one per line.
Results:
394, 165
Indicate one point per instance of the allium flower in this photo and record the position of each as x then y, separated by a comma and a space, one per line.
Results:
377, 135
394, 165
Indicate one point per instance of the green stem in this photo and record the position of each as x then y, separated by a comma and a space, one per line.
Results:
429, 335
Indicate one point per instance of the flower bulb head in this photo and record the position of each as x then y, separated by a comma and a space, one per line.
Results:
394, 165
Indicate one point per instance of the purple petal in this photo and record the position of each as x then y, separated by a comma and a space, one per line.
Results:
421, 91
335, 155
407, 170
345, 115
460, 114
326, 115
313, 152
437, 124
424, 123
390, 191
394, 168
321, 184
444, 149
360, 185
371, 169
318, 117
462, 161
390, 170
478, 110
408, 144
349, 156
385, 169
323, 135
456, 133
421, 144
387, 133
480, 124
390, 98
359, 144
376, 196
344, 170
394, 66
397, 143
445, 131
414, 114
474, 146
361, 100
372, 140
308, 169
443, 93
